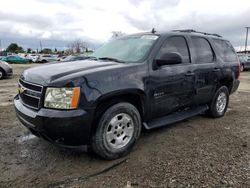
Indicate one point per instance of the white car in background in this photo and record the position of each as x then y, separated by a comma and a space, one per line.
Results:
33, 57
47, 58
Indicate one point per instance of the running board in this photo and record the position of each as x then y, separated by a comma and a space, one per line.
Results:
175, 117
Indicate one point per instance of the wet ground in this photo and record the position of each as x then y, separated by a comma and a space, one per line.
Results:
199, 152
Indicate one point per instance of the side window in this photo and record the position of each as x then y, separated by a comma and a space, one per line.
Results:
176, 44
226, 50
203, 50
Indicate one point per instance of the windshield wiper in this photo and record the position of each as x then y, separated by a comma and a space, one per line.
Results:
111, 59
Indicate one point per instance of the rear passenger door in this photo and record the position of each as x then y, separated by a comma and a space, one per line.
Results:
172, 86
207, 70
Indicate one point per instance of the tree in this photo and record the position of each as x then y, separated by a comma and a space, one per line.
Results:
14, 48
117, 34
29, 50
77, 46
55, 50
46, 51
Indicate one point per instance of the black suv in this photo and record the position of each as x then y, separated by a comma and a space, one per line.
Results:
143, 80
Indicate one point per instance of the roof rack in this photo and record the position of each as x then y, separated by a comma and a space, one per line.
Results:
193, 31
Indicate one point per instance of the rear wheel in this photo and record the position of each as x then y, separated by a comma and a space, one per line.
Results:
118, 129
218, 107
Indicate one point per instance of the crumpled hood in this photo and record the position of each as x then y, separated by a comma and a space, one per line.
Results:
48, 73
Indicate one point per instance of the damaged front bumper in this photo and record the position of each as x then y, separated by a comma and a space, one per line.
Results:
67, 128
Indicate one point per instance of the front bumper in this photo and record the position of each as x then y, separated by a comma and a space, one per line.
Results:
9, 72
61, 127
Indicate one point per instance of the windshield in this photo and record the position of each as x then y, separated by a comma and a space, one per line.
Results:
126, 49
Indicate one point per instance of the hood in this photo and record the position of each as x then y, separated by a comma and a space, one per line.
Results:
50, 72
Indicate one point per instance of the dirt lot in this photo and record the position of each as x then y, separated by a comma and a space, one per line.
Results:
199, 152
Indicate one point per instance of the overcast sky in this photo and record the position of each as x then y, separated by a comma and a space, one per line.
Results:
55, 22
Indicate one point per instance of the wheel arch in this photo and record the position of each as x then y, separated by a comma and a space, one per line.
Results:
4, 72
228, 82
134, 96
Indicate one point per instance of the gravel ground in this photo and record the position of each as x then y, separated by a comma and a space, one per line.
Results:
199, 152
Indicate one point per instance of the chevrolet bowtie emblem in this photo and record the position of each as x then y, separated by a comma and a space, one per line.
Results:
21, 90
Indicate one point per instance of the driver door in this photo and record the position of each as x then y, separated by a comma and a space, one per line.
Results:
172, 86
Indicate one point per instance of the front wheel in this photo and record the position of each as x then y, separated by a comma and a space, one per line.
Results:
219, 104
118, 129
1, 74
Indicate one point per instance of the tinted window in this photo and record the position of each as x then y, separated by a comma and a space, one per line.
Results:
203, 50
226, 50
175, 44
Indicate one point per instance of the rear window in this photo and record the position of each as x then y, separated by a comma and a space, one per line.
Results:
226, 50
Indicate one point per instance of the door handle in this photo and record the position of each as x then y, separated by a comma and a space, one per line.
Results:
216, 70
189, 73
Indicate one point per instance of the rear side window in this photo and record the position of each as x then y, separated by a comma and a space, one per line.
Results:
226, 50
176, 44
203, 50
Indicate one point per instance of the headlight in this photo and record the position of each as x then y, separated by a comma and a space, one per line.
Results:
62, 98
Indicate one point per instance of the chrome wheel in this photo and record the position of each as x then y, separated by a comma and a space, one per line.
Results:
221, 102
119, 131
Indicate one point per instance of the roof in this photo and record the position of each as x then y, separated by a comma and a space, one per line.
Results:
185, 31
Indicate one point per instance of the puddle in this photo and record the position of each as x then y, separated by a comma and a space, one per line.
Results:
26, 138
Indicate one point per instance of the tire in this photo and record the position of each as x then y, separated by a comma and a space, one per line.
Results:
118, 129
2, 74
44, 61
219, 104
241, 68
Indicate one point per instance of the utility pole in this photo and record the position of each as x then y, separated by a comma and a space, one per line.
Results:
41, 47
246, 39
0, 45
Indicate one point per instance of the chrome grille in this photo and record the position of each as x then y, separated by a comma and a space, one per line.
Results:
30, 94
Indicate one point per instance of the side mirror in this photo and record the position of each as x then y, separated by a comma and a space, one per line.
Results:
170, 58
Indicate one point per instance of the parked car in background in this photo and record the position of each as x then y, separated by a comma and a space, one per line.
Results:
61, 58
33, 57
5, 69
23, 55
74, 58
15, 59
47, 58
2, 55
244, 61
